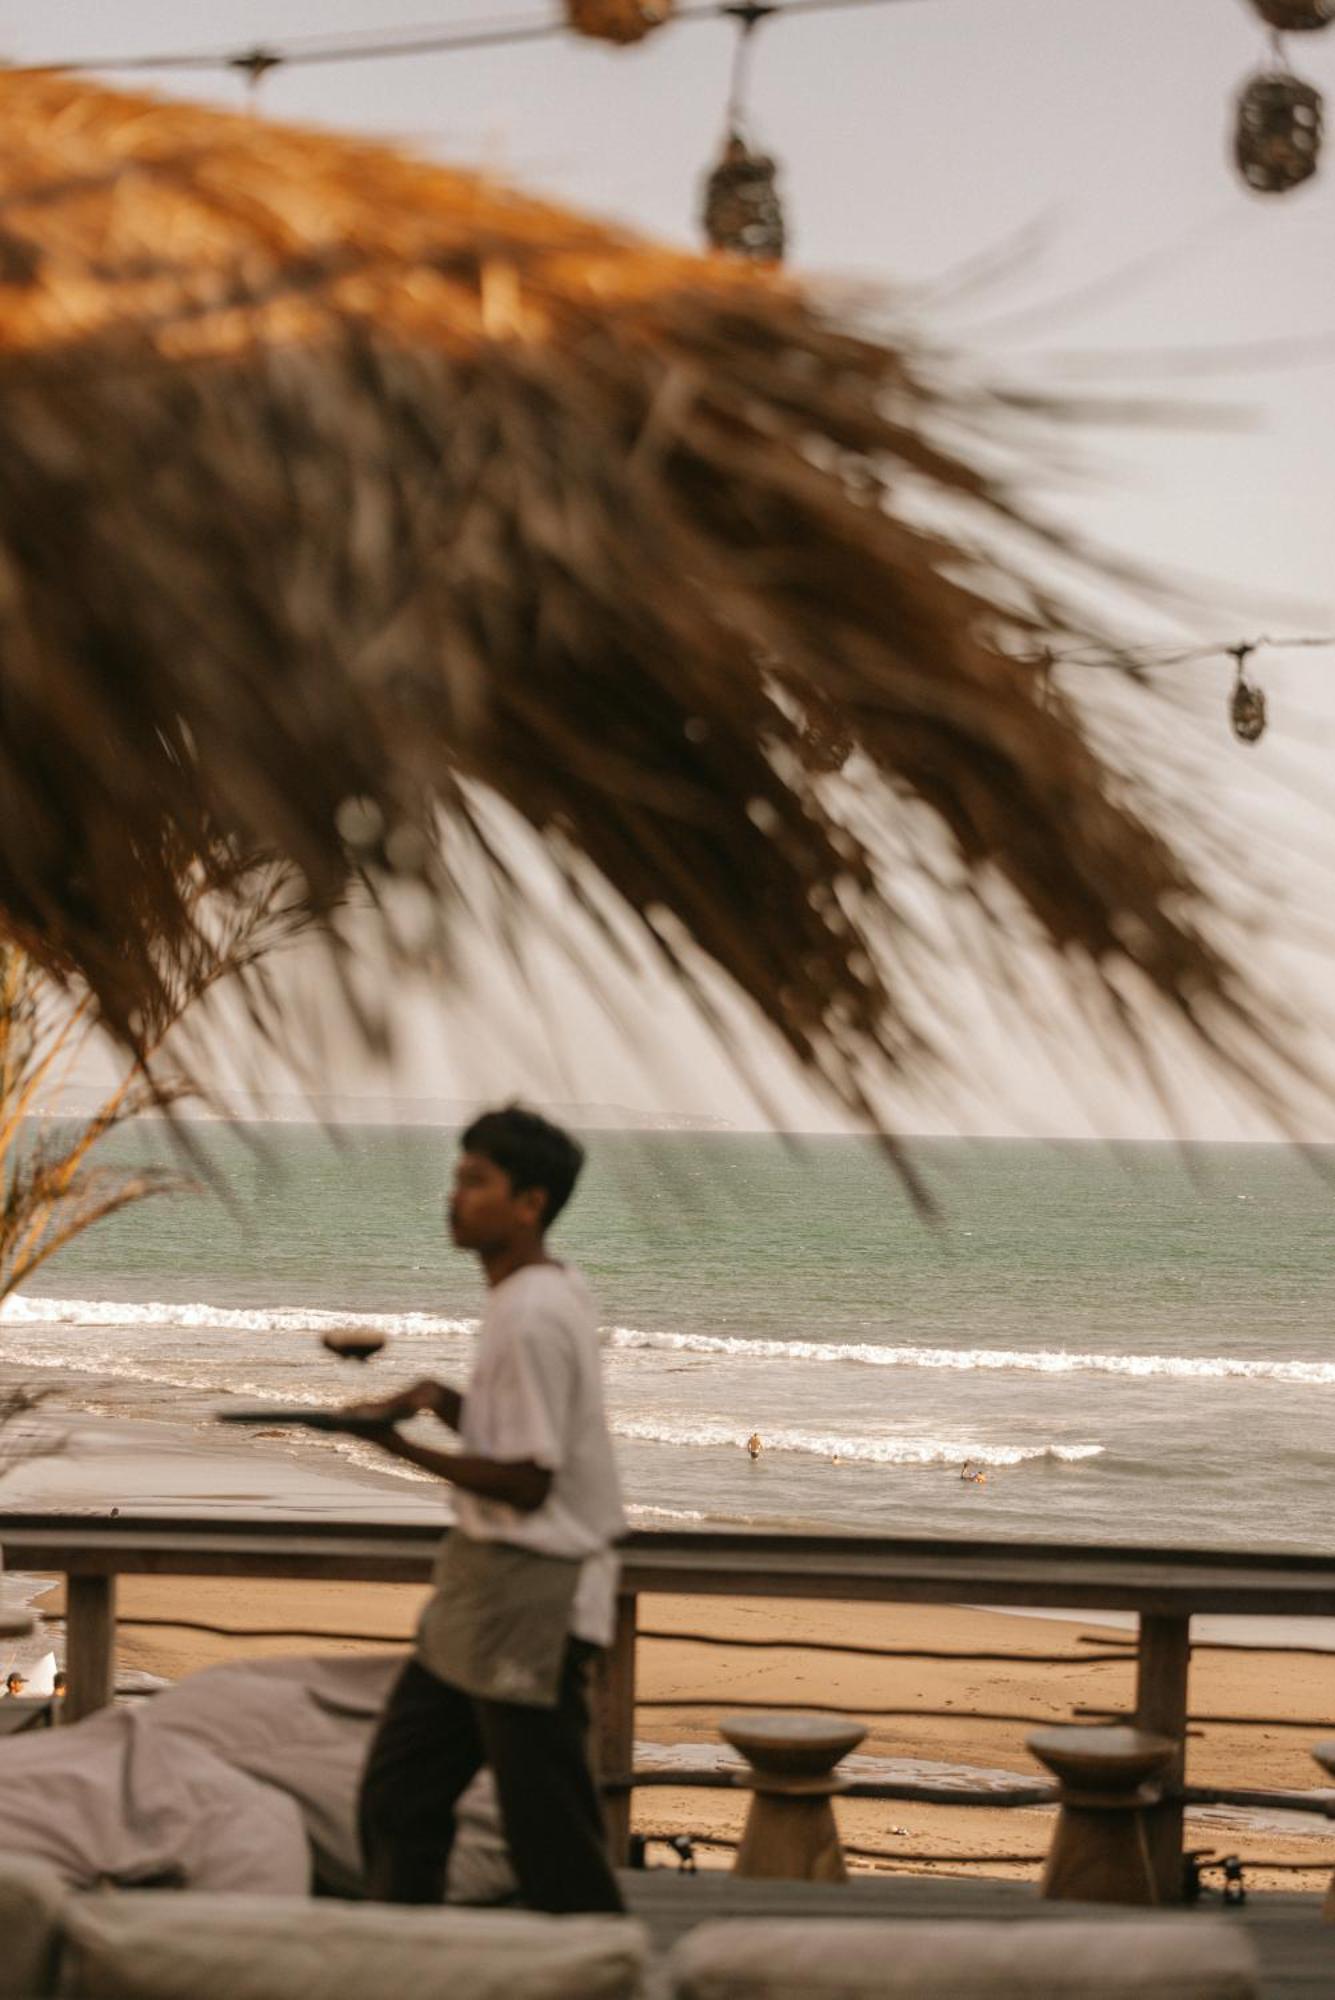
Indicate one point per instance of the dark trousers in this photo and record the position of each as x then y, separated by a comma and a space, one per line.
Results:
432, 1741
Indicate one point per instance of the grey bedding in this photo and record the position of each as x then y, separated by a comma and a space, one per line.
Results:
243, 1777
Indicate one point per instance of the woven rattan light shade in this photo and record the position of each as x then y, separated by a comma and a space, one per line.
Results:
1296, 17
620, 21
1278, 139
742, 211
1246, 711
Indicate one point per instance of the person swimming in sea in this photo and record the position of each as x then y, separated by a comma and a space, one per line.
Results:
754, 1446
971, 1474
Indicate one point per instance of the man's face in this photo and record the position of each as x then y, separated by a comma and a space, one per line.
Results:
485, 1213
16, 1684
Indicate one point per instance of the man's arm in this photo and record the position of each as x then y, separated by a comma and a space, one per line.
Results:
521, 1483
436, 1397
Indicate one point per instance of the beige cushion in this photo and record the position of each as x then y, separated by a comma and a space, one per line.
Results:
165, 1946
32, 1903
1156, 1958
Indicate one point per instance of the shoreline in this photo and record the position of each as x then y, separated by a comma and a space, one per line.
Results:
674, 1671
110, 1448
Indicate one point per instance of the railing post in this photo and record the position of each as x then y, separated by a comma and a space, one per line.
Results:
1163, 1664
614, 1725
90, 1644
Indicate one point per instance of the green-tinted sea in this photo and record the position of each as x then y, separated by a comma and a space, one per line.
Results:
1134, 1342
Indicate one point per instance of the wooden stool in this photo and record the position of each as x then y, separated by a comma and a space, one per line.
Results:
1099, 1852
1325, 1757
790, 1830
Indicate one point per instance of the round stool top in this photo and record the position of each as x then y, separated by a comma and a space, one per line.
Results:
1090, 1755
792, 1743
1325, 1755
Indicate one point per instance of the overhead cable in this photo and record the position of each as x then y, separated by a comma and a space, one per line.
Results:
378, 45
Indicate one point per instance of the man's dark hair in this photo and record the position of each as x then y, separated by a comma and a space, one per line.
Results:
531, 1150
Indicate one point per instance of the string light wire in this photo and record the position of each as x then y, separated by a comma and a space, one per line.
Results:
258, 61
377, 46
747, 14
1158, 657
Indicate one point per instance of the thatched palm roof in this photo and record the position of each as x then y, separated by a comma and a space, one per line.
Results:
337, 490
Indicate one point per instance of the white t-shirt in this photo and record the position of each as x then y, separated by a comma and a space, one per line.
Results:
536, 1392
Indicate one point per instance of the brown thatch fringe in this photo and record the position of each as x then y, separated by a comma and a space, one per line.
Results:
334, 486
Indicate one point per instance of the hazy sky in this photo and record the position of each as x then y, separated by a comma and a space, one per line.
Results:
915, 138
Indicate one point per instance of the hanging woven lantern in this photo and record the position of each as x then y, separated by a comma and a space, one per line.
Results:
1246, 708
742, 211
1279, 132
620, 21
1296, 17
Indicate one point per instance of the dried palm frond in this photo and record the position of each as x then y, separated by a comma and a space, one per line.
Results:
342, 494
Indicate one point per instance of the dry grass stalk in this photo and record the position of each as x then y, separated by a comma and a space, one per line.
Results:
53, 1186
340, 490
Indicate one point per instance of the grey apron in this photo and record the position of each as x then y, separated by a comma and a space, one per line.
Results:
497, 1620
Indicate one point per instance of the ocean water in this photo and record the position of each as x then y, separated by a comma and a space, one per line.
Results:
1136, 1342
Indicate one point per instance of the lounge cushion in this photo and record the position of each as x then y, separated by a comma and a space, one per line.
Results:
32, 1905
145, 1946
112, 1800
1157, 1958
304, 1725
233, 1779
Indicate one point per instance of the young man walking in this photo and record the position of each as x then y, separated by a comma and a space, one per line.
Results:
525, 1583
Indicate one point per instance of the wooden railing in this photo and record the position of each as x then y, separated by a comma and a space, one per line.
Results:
1164, 1588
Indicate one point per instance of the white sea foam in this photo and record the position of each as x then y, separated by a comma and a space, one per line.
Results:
114, 1366
25, 1311
1031, 1361
645, 1516
856, 1450
882, 1770
369, 1459
957, 1777
22, 1309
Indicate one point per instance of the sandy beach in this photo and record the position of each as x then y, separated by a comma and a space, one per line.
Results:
1293, 1688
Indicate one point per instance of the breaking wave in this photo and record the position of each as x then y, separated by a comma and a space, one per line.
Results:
113, 1367
1029, 1361
25, 1311
861, 1450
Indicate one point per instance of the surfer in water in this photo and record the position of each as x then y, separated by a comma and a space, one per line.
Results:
754, 1446
971, 1474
